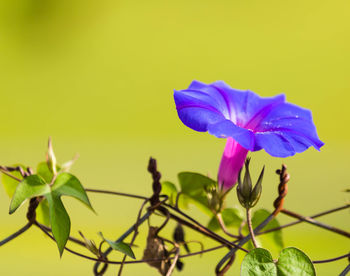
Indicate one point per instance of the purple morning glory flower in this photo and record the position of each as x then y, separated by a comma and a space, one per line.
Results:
248, 121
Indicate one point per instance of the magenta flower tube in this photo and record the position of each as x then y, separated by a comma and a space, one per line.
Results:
231, 163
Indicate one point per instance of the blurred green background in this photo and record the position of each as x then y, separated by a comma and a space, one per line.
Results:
98, 77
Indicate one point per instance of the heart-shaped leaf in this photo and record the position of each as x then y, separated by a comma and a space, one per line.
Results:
258, 262
292, 261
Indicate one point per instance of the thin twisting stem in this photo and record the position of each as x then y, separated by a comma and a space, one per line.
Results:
316, 223
121, 238
201, 228
345, 271
171, 269
180, 256
134, 236
299, 221
242, 242
10, 175
205, 231
278, 204
72, 239
114, 193
332, 259
16, 234
170, 258
223, 227
177, 215
250, 227
126, 262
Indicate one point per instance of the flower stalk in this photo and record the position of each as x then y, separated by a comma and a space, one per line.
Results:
250, 227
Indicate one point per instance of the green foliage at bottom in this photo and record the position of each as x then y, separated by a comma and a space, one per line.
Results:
292, 261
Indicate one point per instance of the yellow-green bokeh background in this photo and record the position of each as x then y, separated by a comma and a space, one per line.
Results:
98, 77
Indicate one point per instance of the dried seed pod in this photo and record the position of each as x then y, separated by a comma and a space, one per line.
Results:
179, 237
155, 249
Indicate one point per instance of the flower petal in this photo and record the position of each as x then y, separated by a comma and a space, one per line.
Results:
197, 110
292, 124
226, 129
247, 108
274, 144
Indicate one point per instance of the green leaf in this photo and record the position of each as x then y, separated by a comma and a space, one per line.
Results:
43, 213
258, 217
259, 262
231, 216
44, 171
194, 186
9, 183
65, 184
213, 224
30, 186
170, 190
293, 261
120, 246
201, 202
183, 201
60, 221
68, 184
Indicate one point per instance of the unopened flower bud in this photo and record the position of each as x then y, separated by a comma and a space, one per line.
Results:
247, 196
246, 186
51, 158
256, 193
90, 245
